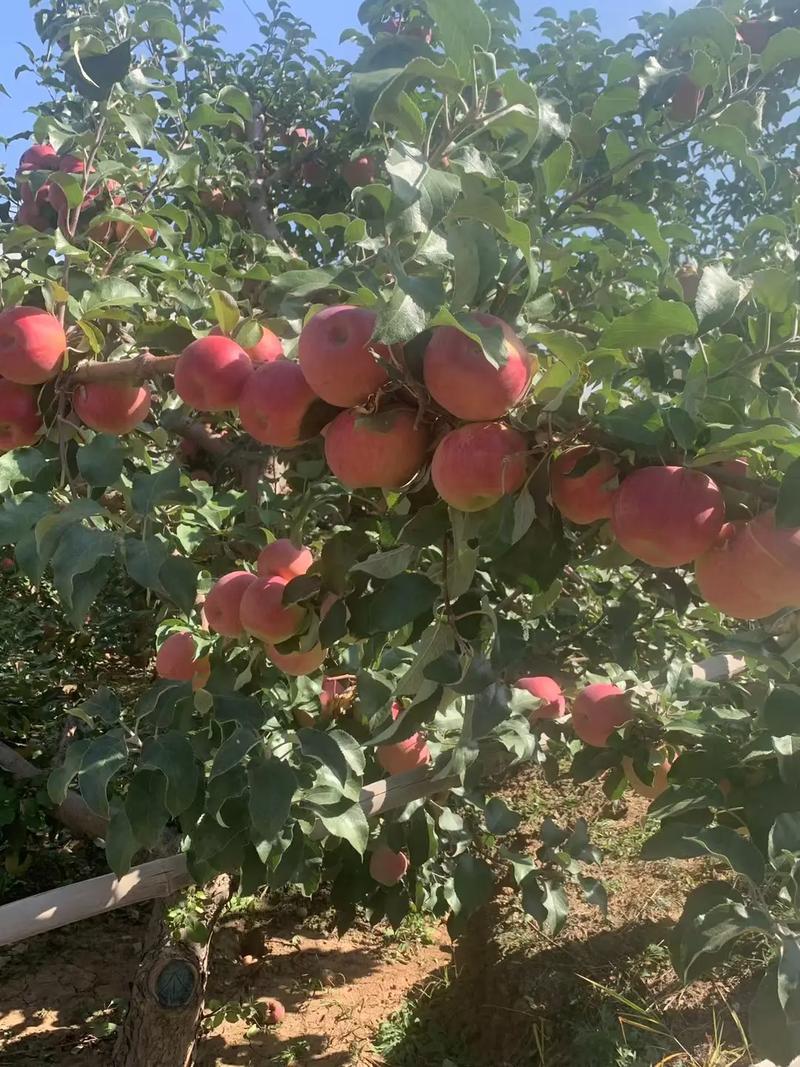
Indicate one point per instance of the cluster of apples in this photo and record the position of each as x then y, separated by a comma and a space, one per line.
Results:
597, 711
32, 349
670, 516
45, 207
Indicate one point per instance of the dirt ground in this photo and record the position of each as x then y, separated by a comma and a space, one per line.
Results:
602, 994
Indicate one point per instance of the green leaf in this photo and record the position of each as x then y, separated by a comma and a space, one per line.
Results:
388, 564
556, 167
226, 310
110, 292
649, 325
351, 826
171, 753
272, 786
120, 840
787, 511
775, 289
784, 836
233, 97
781, 47
233, 750
631, 217
20, 465
718, 296
616, 100
476, 262
732, 141
139, 127
145, 807
781, 712
772, 1034
789, 978
714, 918
684, 842
100, 462
701, 24
397, 602
150, 490
81, 564
500, 819
472, 883
462, 27
60, 777
102, 759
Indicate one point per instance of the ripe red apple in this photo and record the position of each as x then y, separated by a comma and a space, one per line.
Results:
667, 516
112, 407
545, 689
657, 786
7, 564
583, 498
774, 553
598, 710
387, 867
730, 575
461, 379
360, 171
20, 421
30, 215
296, 663
335, 353
135, 240
314, 173
283, 559
275, 1011
223, 603
177, 659
475, 465
405, 755
755, 34
279, 408
57, 196
216, 200
268, 349
211, 374
38, 157
383, 451
32, 345
686, 100
264, 614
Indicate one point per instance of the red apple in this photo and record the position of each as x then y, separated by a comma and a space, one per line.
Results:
667, 516
686, 100
774, 554
360, 171
334, 689
296, 663
32, 345
30, 215
545, 689
336, 355
689, 279
7, 564
314, 173
56, 195
268, 349
112, 407
598, 710
275, 1011
279, 408
405, 755
381, 451
730, 579
264, 614
461, 379
755, 34
135, 240
657, 786
212, 373
20, 421
299, 135
177, 660
38, 157
223, 604
387, 867
583, 498
283, 559
475, 465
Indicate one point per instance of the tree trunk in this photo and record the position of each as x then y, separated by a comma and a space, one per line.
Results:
162, 1025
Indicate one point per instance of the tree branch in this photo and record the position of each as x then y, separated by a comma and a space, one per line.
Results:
73, 812
138, 368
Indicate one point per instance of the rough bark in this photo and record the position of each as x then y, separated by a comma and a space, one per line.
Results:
154, 1034
135, 369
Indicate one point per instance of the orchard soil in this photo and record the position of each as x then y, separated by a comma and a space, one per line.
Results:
601, 994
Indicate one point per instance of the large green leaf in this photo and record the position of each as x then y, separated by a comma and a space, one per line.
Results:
647, 326
461, 27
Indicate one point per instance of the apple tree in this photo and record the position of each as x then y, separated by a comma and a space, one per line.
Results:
443, 405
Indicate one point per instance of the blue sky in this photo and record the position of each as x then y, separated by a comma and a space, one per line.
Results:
328, 17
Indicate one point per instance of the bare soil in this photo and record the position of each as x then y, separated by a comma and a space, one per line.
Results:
507, 996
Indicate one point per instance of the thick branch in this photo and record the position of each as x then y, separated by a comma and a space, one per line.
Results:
73, 812
138, 368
